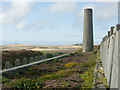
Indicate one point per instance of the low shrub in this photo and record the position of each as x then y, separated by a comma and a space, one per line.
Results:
71, 54
4, 79
95, 52
88, 77
66, 85
49, 55
39, 82
26, 83
55, 60
79, 50
70, 65
90, 62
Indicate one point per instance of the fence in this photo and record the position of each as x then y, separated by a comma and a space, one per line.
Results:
27, 63
109, 51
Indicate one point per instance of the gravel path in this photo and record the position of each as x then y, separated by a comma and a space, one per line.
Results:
99, 77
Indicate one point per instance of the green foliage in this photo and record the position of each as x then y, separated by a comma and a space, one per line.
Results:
106, 84
55, 60
40, 82
88, 77
4, 79
65, 85
70, 65
71, 54
79, 50
90, 62
59, 74
26, 83
103, 80
45, 62
95, 52
48, 55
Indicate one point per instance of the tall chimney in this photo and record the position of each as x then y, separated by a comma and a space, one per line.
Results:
88, 31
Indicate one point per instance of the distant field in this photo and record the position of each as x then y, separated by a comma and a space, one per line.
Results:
41, 47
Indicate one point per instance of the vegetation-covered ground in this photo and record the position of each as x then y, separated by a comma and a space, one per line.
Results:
12, 55
74, 71
18, 54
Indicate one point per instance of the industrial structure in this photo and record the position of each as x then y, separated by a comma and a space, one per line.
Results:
88, 30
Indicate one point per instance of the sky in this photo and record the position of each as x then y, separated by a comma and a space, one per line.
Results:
53, 23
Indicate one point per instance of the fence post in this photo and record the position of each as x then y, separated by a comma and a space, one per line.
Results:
111, 31
17, 62
24, 61
31, 59
8, 64
40, 57
36, 58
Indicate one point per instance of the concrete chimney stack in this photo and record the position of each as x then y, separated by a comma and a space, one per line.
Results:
88, 30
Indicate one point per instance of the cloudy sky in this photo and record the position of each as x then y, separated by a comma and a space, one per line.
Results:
52, 23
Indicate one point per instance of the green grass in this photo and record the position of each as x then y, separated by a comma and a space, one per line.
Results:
4, 79
79, 51
88, 76
90, 62
103, 80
